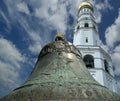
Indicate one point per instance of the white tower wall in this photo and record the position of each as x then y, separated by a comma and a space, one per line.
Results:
86, 39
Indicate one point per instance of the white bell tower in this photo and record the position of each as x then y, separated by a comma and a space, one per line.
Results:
86, 31
86, 39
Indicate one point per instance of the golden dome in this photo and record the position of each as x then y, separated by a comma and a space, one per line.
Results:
85, 4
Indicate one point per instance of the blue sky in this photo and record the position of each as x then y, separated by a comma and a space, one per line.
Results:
27, 25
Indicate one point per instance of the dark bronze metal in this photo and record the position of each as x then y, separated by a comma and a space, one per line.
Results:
60, 75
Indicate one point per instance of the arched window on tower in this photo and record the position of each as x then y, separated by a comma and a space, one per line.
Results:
89, 61
106, 66
86, 25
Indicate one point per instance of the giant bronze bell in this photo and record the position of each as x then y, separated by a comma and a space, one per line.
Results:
61, 75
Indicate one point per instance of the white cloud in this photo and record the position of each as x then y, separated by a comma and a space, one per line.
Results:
55, 12
112, 33
35, 47
33, 35
10, 59
100, 7
5, 19
116, 59
22, 7
8, 75
9, 52
53, 15
112, 37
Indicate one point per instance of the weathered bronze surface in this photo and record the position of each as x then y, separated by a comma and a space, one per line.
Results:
60, 75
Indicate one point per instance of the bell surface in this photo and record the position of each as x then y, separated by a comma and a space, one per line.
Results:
61, 75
